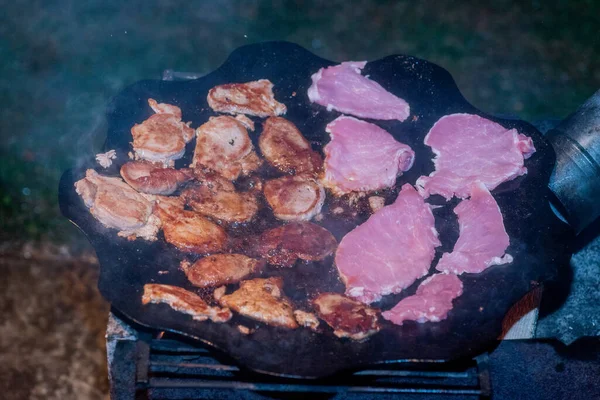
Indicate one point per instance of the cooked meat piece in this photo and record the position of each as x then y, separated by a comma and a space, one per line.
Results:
216, 197
347, 317
183, 301
343, 88
220, 269
262, 300
390, 251
251, 98
482, 240
219, 292
285, 244
161, 138
147, 177
432, 302
376, 203
164, 108
116, 205
284, 147
306, 319
362, 157
470, 148
223, 145
247, 122
187, 230
105, 159
294, 197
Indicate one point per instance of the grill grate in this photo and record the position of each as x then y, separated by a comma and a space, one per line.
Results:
168, 369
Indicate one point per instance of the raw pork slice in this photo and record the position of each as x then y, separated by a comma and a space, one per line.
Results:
362, 157
470, 148
390, 251
432, 301
344, 89
482, 240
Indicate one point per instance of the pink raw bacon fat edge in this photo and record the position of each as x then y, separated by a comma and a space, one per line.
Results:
470, 148
362, 157
343, 88
432, 302
482, 240
391, 250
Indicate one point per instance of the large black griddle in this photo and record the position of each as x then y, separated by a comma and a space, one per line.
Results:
472, 326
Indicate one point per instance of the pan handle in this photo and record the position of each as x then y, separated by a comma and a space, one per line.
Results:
575, 180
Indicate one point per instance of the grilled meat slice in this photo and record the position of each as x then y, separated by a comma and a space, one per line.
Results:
223, 145
147, 177
220, 269
294, 197
285, 148
216, 197
262, 300
162, 137
306, 319
116, 205
347, 317
251, 98
184, 301
188, 230
284, 245
164, 108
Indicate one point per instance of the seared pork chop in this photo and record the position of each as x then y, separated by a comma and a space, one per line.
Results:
294, 197
116, 205
306, 319
220, 269
432, 302
285, 148
184, 301
251, 98
188, 230
164, 108
216, 197
347, 317
162, 137
343, 88
223, 145
262, 300
151, 178
284, 245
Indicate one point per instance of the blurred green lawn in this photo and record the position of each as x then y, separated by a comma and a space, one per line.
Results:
61, 61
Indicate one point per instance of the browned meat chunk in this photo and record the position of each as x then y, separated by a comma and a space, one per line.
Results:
216, 197
164, 108
347, 317
223, 145
162, 137
220, 269
187, 230
262, 300
116, 205
252, 98
294, 197
184, 301
285, 148
147, 177
284, 245
306, 319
